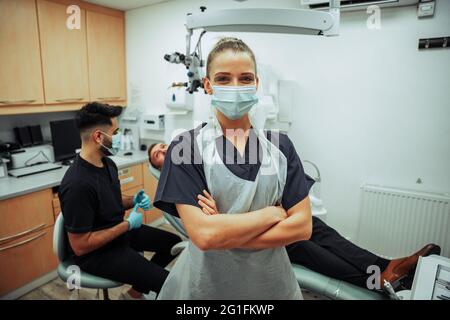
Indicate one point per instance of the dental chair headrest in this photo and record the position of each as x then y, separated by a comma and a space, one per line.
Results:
155, 172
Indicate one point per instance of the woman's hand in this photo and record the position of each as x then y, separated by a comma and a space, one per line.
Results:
208, 204
278, 212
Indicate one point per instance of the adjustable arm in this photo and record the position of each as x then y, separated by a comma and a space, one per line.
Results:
266, 20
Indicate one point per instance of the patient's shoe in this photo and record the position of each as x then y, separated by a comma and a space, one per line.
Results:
149, 296
127, 296
400, 268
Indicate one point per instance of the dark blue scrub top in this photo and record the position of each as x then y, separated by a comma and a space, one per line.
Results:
182, 183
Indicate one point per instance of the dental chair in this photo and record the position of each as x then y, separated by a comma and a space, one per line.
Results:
309, 280
65, 271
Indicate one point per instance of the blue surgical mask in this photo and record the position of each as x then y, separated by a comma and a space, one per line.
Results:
234, 102
115, 145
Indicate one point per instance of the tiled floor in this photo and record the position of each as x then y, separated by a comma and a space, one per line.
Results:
57, 290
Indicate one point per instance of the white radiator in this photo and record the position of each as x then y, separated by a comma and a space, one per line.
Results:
395, 223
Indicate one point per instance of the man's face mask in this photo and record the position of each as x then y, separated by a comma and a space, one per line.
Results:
112, 148
234, 102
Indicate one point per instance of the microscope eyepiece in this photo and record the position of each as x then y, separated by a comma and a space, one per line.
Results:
175, 57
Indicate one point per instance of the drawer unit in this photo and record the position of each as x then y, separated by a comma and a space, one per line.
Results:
25, 259
130, 177
22, 215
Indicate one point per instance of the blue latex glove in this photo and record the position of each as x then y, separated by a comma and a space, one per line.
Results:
134, 219
142, 200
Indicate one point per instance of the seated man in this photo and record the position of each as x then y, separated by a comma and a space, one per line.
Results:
102, 242
326, 252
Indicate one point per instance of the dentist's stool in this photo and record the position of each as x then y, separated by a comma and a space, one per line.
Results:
60, 248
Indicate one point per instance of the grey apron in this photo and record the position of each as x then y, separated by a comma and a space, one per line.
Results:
235, 273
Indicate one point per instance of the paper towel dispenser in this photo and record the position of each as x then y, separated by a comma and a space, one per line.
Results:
178, 99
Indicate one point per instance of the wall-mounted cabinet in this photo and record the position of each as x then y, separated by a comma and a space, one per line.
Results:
106, 45
48, 67
64, 55
20, 71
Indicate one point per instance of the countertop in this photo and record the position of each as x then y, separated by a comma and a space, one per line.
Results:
11, 187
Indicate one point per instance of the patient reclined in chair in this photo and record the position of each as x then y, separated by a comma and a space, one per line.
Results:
340, 266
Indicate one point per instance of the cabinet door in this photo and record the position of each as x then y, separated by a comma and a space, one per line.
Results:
64, 54
130, 177
26, 259
20, 71
106, 54
25, 214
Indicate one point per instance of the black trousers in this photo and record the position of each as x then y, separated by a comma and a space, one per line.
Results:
329, 253
121, 261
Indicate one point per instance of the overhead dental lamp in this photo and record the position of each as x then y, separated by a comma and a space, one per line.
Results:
265, 20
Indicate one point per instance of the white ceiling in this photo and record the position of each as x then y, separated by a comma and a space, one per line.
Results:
125, 4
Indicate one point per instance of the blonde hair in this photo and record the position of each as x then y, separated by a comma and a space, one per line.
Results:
229, 43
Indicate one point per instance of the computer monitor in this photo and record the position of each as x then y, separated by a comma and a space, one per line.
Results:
65, 138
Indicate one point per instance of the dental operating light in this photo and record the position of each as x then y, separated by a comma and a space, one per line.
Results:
262, 20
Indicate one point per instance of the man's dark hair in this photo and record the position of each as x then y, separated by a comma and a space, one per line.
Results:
94, 114
149, 154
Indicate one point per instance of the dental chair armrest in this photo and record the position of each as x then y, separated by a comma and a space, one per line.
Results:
176, 249
332, 288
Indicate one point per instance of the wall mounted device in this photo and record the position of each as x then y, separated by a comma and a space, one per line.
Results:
434, 43
356, 5
425, 8
154, 122
177, 98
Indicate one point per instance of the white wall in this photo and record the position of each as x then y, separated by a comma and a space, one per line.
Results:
371, 107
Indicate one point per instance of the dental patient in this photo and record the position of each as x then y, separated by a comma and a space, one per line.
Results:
326, 252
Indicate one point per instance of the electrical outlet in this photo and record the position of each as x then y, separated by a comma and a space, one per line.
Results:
426, 9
